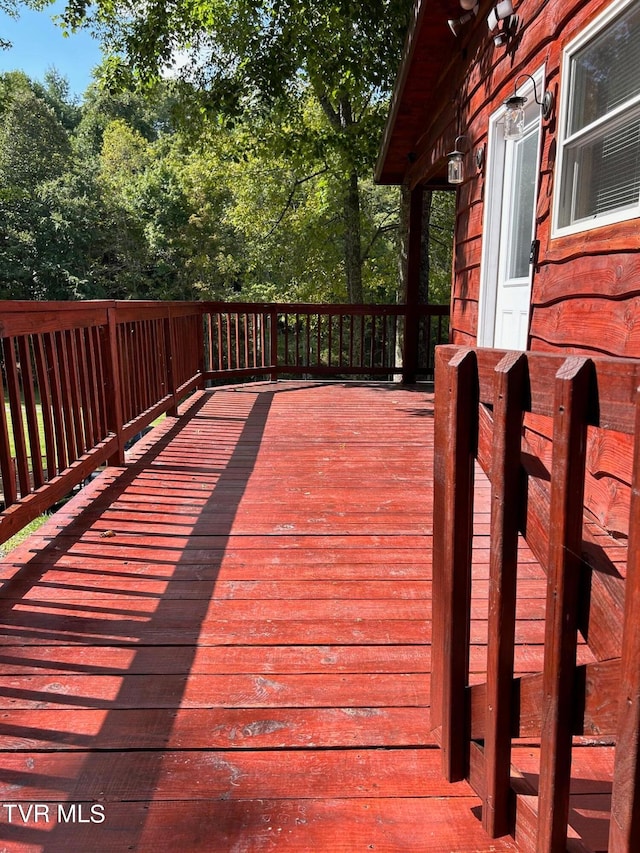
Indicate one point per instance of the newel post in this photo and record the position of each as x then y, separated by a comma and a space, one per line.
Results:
412, 298
625, 802
456, 435
113, 387
570, 424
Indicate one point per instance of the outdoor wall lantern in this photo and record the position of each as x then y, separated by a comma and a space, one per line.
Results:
455, 169
514, 109
471, 10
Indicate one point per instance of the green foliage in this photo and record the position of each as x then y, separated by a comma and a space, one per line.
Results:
269, 58
34, 146
441, 226
244, 174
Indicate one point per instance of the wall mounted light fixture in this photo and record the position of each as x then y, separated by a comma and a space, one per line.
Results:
502, 22
471, 10
514, 109
455, 168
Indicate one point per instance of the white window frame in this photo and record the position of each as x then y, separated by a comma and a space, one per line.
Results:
590, 32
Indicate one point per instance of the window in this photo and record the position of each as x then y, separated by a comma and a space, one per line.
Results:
599, 178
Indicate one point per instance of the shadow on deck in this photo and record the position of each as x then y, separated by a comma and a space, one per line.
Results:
225, 646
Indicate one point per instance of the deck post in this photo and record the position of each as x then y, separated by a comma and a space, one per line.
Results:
625, 799
456, 431
412, 298
571, 401
509, 382
113, 388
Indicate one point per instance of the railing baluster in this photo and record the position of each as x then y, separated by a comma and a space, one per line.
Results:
74, 392
218, 363
152, 363
351, 341
67, 405
262, 349
571, 400
146, 328
31, 410
227, 317
135, 363
254, 341
236, 326
169, 350
245, 331
510, 378
383, 357
456, 430
139, 370
273, 330
372, 343
429, 345
125, 381
87, 410
56, 400
9, 485
112, 386
45, 404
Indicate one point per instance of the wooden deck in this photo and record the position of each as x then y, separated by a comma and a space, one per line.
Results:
225, 646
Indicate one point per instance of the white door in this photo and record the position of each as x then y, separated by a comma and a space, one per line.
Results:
509, 233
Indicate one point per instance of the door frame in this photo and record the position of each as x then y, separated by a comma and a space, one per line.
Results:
492, 217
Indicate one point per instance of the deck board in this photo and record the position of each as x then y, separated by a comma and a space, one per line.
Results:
225, 645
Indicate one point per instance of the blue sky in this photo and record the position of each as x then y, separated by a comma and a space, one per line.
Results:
38, 44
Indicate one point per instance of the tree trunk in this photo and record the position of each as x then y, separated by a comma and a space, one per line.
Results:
341, 120
352, 246
403, 242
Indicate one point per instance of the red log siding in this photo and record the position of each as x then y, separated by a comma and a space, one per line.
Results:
586, 287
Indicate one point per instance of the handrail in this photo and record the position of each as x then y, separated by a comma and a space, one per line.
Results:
536, 423
80, 379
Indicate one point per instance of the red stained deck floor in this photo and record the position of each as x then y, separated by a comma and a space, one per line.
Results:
226, 645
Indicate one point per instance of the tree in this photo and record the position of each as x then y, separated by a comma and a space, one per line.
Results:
272, 55
10, 8
51, 216
34, 145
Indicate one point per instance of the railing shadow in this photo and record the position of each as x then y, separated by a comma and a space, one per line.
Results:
155, 536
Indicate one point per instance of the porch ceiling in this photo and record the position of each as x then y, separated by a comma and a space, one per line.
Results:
428, 48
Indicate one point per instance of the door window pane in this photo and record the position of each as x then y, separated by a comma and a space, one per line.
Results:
523, 205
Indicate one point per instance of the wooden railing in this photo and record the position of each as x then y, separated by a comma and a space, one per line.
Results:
490, 409
79, 380
319, 340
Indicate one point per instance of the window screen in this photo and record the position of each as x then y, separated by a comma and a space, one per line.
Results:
601, 150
